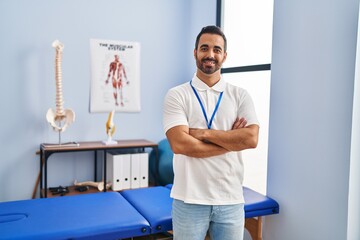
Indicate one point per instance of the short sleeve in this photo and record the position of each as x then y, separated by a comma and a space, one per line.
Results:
247, 109
174, 113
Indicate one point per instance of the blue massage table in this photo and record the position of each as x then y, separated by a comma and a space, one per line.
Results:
154, 204
256, 207
109, 215
87, 216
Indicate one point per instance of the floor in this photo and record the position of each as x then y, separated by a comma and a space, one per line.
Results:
159, 236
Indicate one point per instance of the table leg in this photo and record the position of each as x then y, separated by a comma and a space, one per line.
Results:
41, 172
105, 170
45, 177
254, 226
95, 166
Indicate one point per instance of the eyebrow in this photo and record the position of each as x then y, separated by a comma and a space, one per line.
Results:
203, 45
206, 45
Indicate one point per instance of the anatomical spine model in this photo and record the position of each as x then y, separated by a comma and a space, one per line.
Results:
61, 118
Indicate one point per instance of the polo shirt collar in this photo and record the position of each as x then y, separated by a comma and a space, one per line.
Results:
201, 86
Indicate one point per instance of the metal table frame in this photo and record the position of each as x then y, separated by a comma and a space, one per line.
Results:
46, 150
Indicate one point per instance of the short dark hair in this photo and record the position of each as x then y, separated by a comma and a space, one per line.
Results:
212, 30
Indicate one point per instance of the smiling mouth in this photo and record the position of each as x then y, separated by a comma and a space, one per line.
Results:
209, 62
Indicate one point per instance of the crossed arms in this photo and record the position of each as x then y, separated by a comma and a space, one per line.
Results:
202, 143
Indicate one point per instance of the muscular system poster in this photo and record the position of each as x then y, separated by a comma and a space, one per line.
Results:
115, 76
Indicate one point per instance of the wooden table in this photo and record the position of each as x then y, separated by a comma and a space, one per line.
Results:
46, 150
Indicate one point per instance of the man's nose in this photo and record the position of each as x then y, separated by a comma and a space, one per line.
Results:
211, 54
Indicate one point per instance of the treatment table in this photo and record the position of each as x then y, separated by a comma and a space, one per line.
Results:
87, 216
109, 215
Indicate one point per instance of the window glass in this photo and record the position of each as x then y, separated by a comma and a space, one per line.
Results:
255, 160
248, 28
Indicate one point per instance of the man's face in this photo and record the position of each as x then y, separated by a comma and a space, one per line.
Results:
210, 53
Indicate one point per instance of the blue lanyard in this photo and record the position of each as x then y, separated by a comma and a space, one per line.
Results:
203, 109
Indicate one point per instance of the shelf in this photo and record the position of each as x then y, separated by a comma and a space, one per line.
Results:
72, 192
46, 150
98, 145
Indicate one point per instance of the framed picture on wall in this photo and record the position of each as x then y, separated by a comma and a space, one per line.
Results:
115, 76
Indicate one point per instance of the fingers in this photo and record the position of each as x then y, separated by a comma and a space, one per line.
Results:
236, 124
239, 123
243, 122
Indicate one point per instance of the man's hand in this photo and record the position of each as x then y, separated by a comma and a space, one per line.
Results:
239, 123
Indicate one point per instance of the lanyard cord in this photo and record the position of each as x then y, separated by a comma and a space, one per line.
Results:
203, 109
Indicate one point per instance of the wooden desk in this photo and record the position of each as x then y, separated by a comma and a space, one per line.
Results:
46, 150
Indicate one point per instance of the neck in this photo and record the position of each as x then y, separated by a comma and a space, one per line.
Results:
209, 79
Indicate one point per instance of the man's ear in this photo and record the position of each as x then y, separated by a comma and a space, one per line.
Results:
225, 56
195, 53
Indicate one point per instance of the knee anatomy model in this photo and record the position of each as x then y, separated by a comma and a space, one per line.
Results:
110, 129
61, 118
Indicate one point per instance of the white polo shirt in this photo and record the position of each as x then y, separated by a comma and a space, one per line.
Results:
215, 180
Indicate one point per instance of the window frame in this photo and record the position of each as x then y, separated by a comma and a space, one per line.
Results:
249, 68
259, 182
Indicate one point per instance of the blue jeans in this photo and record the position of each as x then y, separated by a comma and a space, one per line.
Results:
192, 221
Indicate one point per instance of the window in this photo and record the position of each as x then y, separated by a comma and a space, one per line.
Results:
248, 27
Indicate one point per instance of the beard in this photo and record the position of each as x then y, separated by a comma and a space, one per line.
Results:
205, 67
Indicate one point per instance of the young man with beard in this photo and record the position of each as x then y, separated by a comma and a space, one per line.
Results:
208, 122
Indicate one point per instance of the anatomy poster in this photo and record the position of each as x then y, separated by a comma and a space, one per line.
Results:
115, 76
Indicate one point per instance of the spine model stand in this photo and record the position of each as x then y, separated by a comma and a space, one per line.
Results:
61, 118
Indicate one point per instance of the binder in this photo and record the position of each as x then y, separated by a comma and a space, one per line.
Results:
118, 171
144, 169
135, 171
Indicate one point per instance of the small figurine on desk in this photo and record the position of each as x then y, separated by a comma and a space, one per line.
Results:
110, 129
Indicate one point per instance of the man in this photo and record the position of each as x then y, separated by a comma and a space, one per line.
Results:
208, 122
117, 72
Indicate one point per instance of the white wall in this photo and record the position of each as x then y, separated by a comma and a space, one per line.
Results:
354, 178
312, 86
166, 32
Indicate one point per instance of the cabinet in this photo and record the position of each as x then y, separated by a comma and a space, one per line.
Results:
46, 150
